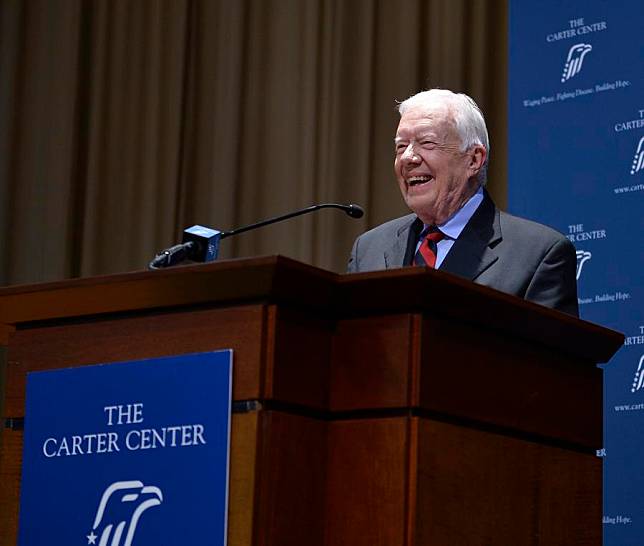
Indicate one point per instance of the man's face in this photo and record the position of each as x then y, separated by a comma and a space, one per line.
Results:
435, 177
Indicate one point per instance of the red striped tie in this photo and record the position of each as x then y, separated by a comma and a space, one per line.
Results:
426, 253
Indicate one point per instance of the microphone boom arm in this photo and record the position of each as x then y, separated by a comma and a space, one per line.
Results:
352, 210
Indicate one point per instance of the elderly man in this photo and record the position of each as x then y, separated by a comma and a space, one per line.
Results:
441, 162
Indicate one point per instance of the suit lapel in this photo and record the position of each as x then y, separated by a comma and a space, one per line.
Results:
473, 252
395, 254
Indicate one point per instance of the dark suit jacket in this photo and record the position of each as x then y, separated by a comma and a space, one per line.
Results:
495, 249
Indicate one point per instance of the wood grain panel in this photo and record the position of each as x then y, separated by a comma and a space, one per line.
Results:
480, 488
481, 374
292, 474
302, 354
280, 280
243, 459
5, 332
226, 282
371, 362
131, 338
10, 469
414, 289
367, 486
3, 387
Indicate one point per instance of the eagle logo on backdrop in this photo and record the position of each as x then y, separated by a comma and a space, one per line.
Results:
638, 380
119, 511
582, 257
575, 61
638, 160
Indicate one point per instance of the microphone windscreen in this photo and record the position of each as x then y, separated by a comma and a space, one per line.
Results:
207, 243
355, 211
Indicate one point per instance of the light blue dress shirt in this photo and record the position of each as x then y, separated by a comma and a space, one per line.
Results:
454, 226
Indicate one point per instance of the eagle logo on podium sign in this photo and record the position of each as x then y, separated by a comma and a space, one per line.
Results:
575, 60
119, 511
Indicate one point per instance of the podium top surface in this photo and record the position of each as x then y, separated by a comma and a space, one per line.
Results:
283, 281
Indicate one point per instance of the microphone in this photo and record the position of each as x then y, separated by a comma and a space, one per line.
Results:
355, 211
201, 244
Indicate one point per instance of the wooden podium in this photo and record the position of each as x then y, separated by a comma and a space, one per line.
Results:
406, 407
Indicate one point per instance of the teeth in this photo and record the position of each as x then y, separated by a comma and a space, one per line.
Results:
418, 180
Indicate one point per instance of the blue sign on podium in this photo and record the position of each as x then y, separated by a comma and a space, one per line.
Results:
128, 454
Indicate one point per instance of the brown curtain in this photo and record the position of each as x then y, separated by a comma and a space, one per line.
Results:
122, 122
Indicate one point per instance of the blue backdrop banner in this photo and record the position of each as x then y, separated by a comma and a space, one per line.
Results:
576, 162
132, 453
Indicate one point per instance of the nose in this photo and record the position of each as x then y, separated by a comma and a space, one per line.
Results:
410, 155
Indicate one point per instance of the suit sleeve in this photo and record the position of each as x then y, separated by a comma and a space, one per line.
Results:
554, 283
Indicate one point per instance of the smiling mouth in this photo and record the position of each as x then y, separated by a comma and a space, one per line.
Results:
418, 180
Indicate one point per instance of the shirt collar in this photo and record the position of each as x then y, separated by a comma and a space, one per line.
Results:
453, 227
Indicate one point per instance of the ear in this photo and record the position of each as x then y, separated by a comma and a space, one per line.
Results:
477, 155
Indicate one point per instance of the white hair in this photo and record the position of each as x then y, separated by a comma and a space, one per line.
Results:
466, 115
